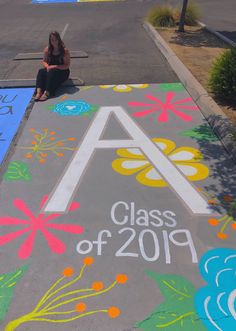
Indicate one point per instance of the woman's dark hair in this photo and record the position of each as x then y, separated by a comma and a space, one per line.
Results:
61, 45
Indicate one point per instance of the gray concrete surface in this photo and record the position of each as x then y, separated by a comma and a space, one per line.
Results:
143, 224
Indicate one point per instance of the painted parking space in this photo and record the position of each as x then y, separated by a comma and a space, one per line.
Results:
13, 103
68, 1
108, 208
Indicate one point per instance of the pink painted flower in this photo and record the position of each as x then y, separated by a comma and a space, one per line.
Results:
164, 107
34, 224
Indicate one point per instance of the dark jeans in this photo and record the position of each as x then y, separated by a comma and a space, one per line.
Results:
51, 80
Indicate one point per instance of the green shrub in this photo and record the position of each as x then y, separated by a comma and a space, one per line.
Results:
222, 79
161, 16
192, 14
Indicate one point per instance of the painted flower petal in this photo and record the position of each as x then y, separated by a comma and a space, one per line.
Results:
76, 229
26, 248
74, 206
139, 85
132, 164
22, 206
150, 177
166, 145
131, 153
7, 220
13, 235
193, 171
122, 88
106, 86
56, 245
186, 154
126, 167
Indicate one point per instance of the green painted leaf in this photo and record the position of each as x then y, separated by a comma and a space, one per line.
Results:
173, 287
177, 312
17, 170
202, 133
7, 285
172, 87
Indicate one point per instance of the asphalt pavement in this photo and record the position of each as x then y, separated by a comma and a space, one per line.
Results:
117, 201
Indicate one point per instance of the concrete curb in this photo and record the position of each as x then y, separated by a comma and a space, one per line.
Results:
218, 34
218, 121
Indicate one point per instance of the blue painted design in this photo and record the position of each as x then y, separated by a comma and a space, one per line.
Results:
216, 302
13, 103
72, 108
52, 1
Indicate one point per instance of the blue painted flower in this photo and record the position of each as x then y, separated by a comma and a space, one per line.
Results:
73, 108
216, 302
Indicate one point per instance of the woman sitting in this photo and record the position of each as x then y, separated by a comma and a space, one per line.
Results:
56, 62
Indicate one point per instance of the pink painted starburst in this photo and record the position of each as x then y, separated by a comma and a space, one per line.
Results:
37, 223
164, 107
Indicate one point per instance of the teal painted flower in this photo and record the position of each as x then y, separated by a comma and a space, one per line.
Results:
73, 108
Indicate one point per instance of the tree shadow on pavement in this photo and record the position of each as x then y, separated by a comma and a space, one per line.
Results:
197, 37
222, 166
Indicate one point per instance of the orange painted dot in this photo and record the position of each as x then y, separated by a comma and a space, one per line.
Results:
44, 154
33, 142
68, 272
31, 129
212, 202
228, 198
71, 139
60, 144
88, 260
52, 138
222, 235
80, 307
213, 221
233, 225
42, 161
113, 312
36, 136
60, 154
97, 286
121, 279
52, 132
28, 155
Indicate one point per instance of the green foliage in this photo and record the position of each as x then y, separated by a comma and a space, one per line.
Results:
192, 15
7, 285
177, 312
222, 79
17, 170
200, 133
163, 16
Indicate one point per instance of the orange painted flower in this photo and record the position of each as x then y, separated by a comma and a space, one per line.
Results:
68, 272
113, 312
80, 307
213, 221
88, 260
222, 235
97, 286
121, 279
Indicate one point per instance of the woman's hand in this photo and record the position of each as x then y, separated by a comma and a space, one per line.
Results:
51, 67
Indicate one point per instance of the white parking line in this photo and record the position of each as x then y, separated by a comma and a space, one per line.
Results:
64, 31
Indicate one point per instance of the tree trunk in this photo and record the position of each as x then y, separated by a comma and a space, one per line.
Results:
182, 16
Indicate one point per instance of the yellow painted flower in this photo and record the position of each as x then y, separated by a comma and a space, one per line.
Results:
186, 159
124, 88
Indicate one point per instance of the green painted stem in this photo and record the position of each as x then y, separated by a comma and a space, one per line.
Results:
11, 326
